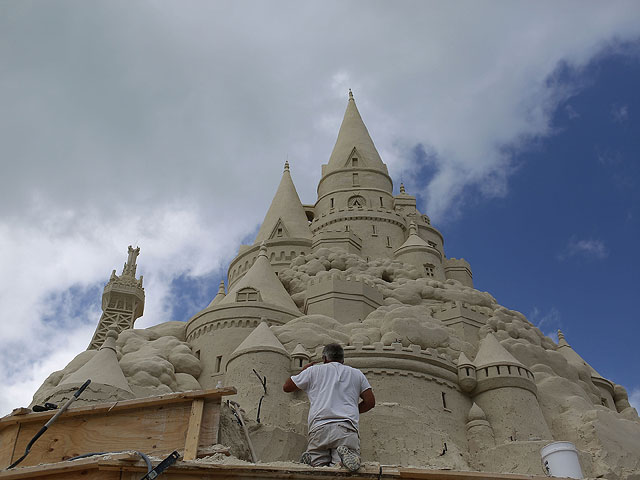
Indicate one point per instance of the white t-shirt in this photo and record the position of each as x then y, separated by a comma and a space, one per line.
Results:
334, 393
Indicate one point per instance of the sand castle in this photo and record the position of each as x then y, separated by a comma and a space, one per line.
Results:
462, 382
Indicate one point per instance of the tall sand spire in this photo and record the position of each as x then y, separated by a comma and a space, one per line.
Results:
353, 134
286, 216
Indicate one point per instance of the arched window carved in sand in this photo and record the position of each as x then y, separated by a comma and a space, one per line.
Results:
248, 294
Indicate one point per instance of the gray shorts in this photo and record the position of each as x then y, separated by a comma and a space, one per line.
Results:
324, 440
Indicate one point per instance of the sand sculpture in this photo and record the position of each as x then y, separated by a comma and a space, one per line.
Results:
461, 381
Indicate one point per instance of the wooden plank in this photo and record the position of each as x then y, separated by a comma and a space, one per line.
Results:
80, 474
193, 432
8, 438
202, 471
156, 431
120, 467
420, 474
69, 470
210, 425
21, 411
180, 397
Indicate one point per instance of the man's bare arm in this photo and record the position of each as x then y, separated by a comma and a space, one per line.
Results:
289, 386
368, 401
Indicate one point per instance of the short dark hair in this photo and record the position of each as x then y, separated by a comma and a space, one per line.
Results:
333, 353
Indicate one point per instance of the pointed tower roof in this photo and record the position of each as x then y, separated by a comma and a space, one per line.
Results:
353, 134
476, 413
491, 352
261, 339
572, 356
103, 368
262, 278
413, 240
464, 360
286, 212
300, 351
219, 296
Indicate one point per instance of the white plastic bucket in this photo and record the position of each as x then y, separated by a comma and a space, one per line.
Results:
560, 459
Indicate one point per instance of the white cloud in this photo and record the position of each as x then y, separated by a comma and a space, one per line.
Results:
53, 283
571, 112
548, 322
620, 113
589, 248
166, 125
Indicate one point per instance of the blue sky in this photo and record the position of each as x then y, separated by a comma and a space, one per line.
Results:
561, 245
165, 125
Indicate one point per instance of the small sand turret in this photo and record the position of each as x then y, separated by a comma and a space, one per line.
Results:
605, 386
299, 358
107, 380
260, 351
422, 254
506, 392
479, 432
466, 373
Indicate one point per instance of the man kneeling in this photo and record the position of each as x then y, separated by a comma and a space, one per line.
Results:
334, 390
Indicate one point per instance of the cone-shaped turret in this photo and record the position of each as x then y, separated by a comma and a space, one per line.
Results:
606, 386
506, 392
572, 356
262, 353
102, 369
354, 135
300, 351
261, 339
476, 413
491, 352
418, 252
261, 279
286, 216
466, 373
413, 240
219, 296
299, 357
479, 432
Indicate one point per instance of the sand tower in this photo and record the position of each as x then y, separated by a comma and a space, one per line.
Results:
122, 301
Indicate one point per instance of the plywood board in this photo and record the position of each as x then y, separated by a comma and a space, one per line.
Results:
155, 431
120, 467
155, 425
8, 438
158, 400
420, 474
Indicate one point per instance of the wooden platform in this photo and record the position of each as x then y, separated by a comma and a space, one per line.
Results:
187, 422
127, 466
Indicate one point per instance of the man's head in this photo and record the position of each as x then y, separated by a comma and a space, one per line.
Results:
333, 353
